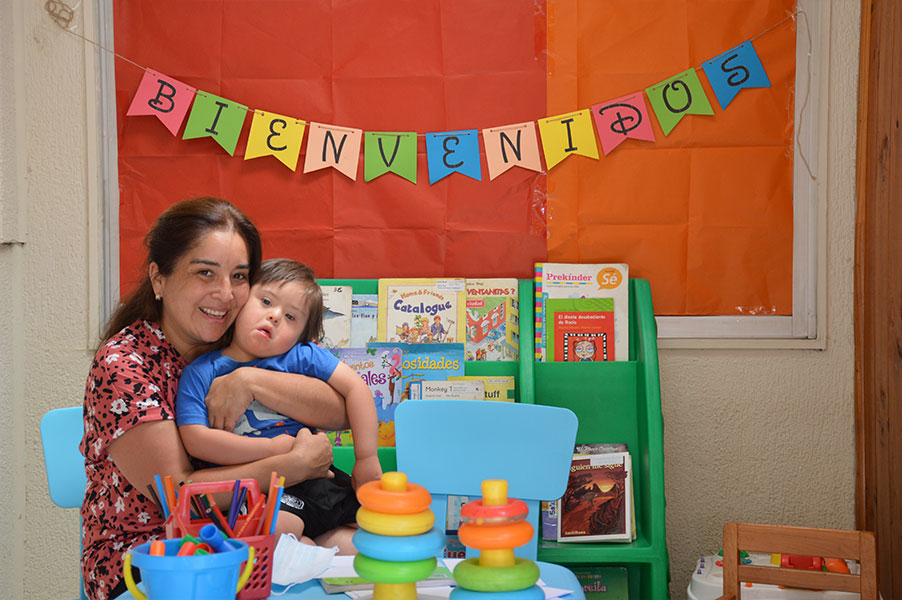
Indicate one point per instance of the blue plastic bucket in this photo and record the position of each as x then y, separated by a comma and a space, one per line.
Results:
171, 577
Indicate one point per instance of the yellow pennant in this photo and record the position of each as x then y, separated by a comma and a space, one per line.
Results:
275, 135
568, 134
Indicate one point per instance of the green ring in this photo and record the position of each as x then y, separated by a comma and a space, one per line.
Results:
384, 571
470, 576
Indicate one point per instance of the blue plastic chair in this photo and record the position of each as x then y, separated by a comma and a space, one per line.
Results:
61, 433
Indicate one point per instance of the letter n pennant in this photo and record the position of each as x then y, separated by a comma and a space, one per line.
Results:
453, 151
215, 117
275, 135
563, 135
336, 147
164, 97
511, 146
677, 96
625, 117
733, 70
390, 151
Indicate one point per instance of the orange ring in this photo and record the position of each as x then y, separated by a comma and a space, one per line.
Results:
477, 510
373, 496
497, 537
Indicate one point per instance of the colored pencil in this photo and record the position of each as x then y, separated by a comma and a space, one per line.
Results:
275, 513
170, 492
258, 505
153, 496
222, 522
163, 500
270, 504
233, 507
241, 498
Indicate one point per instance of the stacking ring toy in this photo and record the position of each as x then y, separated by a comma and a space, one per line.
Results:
530, 593
395, 525
480, 513
401, 548
375, 497
471, 575
495, 537
383, 571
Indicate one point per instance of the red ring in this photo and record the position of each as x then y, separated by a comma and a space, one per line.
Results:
498, 537
372, 496
477, 510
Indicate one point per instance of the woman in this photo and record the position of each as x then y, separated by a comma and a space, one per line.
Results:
202, 256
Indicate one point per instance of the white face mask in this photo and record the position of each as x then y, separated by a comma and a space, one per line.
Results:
294, 562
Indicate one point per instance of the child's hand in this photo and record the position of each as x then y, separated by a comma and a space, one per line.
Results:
281, 444
366, 469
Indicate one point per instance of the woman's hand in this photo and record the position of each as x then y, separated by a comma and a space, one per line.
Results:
366, 469
312, 452
228, 398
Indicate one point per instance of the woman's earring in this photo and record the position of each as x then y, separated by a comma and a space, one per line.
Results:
157, 297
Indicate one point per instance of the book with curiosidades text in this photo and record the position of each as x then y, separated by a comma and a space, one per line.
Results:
597, 504
422, 311
493, 328
426, 362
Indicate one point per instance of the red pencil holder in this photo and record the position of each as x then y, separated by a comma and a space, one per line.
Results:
181, 523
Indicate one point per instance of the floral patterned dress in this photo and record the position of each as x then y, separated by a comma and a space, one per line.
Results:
133, 379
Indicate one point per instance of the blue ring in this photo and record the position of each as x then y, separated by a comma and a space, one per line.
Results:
401, 548
530, 593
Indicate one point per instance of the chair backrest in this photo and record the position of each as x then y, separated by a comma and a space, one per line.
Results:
61, 433
451, 446
803, 541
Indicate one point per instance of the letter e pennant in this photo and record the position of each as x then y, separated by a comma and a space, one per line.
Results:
336, 147
164, 97
215, 117
563, 135
390, 151
511, 145
453, 151
625, 117
275, 135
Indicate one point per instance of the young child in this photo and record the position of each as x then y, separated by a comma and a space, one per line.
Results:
275, 330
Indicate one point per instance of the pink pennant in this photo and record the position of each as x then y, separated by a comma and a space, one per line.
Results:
164, 97
625, 117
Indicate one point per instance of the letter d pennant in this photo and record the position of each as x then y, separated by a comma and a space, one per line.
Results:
625, 117
164, 97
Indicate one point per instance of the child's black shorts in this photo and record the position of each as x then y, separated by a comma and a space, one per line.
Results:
323, 504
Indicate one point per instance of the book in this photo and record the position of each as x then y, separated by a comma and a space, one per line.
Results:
447, 390
493, 319
380, 369
426, 362
336, 316
454, 548
418, 311
363, 319
597, 503
580, 329
561, 280
497, 387
334, 585
603, 583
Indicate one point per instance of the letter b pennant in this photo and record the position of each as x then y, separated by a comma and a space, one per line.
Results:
164, 97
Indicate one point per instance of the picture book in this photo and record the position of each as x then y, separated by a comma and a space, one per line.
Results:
336, 316
334, 585
426, 362
580, 329
493, 329
363, 319
454, 548
561, 280
380, 369
597, 503
422, 311
549, 520
603, 583
447, 390
497, 387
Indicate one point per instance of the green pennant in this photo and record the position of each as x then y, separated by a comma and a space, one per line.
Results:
679, 95
215, 117
390, 151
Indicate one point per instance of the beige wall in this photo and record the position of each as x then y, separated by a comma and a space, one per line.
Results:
758, 435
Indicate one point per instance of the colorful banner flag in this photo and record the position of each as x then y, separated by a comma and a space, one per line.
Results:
164, 97
625, 117
511, 146
275, 135
453, 151
563, 135
390, 151
336, 147
733, 70
215, 117
677, 96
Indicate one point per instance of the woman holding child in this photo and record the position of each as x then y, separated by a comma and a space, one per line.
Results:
203, 255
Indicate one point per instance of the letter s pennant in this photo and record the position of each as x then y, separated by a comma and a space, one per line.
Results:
164, 97
733, 70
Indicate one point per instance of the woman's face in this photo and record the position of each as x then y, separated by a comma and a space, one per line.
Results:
204, 292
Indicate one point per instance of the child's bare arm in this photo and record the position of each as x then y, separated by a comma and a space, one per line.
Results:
227, 448
364, 424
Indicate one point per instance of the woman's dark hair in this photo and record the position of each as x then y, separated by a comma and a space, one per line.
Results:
283, 270
179, 229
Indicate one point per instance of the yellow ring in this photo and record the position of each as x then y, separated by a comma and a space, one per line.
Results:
374, 497
395, 525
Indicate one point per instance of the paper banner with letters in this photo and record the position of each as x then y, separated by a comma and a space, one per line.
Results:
626, 117
677, 96
275, 135
511, 146
215, 117
164, 97
336, 147
563, 135
390, 152
733, 70
453, 151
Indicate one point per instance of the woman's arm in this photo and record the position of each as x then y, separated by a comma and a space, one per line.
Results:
305, 399
227, 448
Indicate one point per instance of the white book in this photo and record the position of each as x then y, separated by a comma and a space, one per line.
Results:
363, 319
336, 316
447, 390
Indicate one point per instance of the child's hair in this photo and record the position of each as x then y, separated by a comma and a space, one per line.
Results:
283, 270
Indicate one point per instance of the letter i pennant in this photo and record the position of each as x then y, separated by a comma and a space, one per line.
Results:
275, 135
677, 96
563, 135
164, 97
390, 151
215, 117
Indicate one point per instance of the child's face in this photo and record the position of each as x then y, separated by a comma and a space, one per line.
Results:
270, 322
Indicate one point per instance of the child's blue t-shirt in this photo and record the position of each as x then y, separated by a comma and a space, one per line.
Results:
258, 420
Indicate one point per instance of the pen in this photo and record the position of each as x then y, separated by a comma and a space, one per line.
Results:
233, 507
